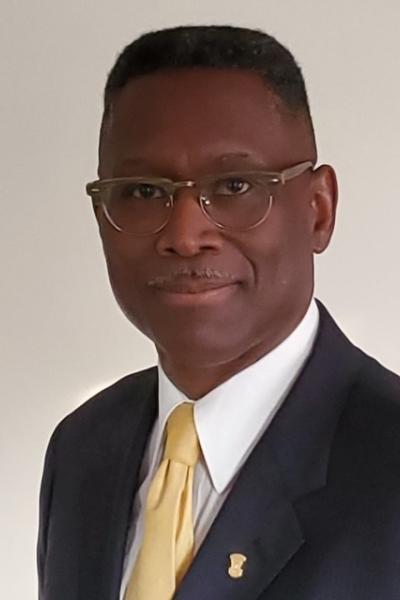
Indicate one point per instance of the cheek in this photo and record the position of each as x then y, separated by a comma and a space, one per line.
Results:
285, 255
124, 273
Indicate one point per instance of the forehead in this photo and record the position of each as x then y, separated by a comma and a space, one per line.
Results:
186, 119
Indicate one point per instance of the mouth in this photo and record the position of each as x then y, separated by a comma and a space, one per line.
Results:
191, 293
194, 286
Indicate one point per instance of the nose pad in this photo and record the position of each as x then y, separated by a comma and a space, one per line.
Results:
203, 199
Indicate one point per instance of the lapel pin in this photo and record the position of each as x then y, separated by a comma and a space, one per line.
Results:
236, 567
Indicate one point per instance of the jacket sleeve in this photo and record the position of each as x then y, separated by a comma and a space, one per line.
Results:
45, 500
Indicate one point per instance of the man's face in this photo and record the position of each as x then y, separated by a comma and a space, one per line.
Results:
182, 125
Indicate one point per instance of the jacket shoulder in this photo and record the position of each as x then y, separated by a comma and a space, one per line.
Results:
379, 385
372, 413
112, 404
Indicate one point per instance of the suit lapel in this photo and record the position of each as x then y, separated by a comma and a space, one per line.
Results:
258, 518
105, 502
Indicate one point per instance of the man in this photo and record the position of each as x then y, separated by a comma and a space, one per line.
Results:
261, 458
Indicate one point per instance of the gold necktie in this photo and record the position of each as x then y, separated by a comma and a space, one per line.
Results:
168, 541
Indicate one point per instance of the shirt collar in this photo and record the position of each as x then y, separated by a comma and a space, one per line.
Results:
232, 417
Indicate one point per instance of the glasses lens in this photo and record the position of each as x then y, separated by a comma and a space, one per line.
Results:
238, 201
138, 207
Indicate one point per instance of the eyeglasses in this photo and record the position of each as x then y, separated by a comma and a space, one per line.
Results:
238, 201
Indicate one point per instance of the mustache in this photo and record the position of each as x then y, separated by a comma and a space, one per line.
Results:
207, 273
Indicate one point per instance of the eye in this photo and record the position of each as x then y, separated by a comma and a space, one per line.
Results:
142, 191
231, 186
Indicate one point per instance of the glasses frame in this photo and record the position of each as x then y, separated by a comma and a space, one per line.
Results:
94, 188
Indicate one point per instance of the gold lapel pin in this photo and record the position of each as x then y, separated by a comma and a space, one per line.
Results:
236, 567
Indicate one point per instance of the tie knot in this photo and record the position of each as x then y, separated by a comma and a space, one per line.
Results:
182, 443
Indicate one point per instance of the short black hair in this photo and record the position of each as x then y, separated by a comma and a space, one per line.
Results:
216, 46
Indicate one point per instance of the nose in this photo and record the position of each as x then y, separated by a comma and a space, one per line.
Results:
188, 231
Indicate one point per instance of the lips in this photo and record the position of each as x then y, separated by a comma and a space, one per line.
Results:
193, 286
190, 292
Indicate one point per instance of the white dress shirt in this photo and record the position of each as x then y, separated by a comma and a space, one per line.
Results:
229, 421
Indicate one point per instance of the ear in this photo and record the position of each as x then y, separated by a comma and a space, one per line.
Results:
324, 200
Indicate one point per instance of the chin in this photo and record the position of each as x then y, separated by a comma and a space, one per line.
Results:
201, 348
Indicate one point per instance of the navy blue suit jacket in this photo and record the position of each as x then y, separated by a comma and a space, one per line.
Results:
316, 507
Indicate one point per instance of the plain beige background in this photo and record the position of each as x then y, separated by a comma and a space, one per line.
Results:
64, 335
